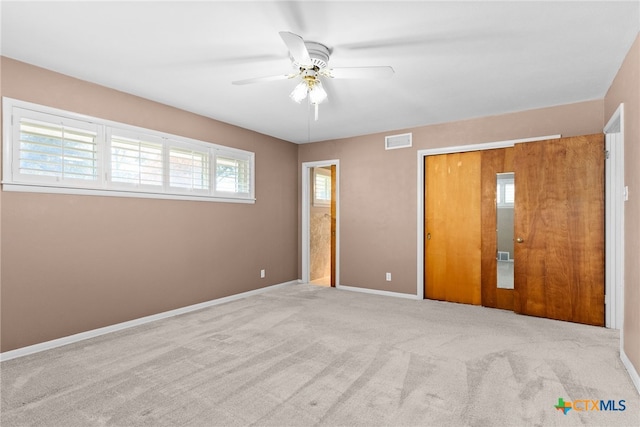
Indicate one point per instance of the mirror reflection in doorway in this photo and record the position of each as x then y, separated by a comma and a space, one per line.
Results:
505, 198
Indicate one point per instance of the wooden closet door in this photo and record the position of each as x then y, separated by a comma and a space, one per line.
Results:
559, 229
452, 227
493, 162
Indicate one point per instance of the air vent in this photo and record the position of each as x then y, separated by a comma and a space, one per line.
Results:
397, 141
503, 256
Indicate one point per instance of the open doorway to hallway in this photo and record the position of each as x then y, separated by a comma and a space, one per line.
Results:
319, 234
320, 226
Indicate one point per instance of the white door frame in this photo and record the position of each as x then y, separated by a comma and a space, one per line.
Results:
614, 226
307, 167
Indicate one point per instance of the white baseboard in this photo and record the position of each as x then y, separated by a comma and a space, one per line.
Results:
377, 292
633, 373
47, 345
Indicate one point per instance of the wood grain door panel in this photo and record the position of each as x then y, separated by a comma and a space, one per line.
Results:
559, 215
493, 162
452, 224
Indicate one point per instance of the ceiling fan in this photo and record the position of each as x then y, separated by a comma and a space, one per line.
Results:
310, 61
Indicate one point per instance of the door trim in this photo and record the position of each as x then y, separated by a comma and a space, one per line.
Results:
421, 188
306, 206
614, 225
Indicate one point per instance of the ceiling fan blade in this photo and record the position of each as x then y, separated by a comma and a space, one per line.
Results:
264, 79
210, 61
296, 46
359, 72
386, 43
293, 13
231, 60
444, 40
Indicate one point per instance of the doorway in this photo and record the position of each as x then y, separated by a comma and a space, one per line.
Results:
320, 202
615, 196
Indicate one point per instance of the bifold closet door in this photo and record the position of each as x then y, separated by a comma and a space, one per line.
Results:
453, 228
559, 229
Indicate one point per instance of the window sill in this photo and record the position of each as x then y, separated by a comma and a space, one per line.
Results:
27, 188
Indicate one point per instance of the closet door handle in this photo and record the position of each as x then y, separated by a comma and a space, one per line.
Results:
519, 240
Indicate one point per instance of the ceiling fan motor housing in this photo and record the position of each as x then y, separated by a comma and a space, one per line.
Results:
319, 55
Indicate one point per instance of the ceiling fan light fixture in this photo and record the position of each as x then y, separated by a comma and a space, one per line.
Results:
317, 94
299, 92
310, 61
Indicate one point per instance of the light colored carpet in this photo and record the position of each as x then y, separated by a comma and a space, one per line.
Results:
308, 355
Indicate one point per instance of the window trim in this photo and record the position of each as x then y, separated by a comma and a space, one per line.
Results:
14, 181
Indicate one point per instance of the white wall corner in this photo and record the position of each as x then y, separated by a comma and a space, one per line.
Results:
633, 373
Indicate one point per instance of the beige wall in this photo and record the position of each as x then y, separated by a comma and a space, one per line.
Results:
76, 263
626, 89
378, 188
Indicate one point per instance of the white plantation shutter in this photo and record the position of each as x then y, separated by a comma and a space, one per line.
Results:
189, 169
233, 174
505, 190
59, 150
321, 187
509, 193
50, 150
136, 162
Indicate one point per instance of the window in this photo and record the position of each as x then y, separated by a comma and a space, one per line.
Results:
50, 150
233, 174
136, 162
321, 187
188, 169
56, 150
505, 190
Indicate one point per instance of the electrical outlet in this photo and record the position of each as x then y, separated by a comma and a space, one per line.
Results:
262, 274
388, 277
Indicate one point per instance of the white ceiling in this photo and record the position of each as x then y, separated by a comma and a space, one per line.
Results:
452, 60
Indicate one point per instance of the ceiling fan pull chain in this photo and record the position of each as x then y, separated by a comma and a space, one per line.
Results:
316, 111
